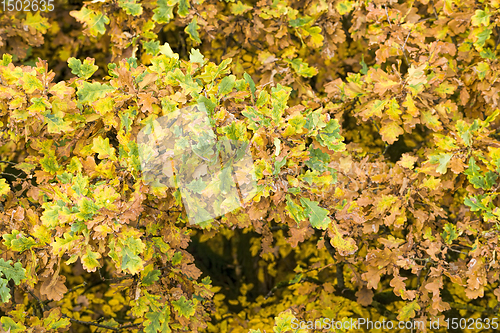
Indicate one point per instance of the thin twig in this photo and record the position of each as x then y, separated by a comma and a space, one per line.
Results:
387, 13
434, 9
89, 323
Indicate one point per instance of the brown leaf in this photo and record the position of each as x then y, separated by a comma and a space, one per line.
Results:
54, 288
365, 296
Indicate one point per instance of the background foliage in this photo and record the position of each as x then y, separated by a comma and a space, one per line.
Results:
374, 129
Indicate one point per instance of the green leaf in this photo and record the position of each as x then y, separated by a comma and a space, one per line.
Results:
364, 67
90, 260
482, 17
54, 321
318, 216
6, 60
445, 89
183, 9
4, 291
477, 179
131, 261
302, 68
152, 47
163, 13
443, 160
192, 30
9, 325
50, 216
482, 35
94, 21
79, 184
61, 245
278, 165
475, 203
393, 110
226, 180
31, 83
296, 124
167, 50
235, 131
184, 307
157, 321
344, 7
15, 273
300, 21
318, 160
84, 70
482, 69
226, 85
130, 7
22, 243
487, 53
284, 323
151, 277
316, 36
250, 82
330, 136
450, 233
197, 185
239, 8
196, 56
294, 210
86, 209
90, 92
280, 95
37, 22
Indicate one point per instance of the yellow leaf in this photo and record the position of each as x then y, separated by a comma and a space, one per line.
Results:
390, 131
408, 311
4, 187
345, 246
409, 104
36, 22
407, 161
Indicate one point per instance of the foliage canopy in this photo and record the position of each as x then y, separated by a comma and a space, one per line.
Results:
375, 133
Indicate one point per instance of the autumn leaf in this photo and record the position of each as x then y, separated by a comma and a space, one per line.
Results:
226, 85
95, 21
4, 187
184, 307
390, 131
90, 260
36, 22
482, 17
90, 92
364, 296
344, 245
14, 272
54, 287
294, 210
409, 311
130, 7
318, 216
31, 83
239, 8
84, 70
102, 147
302, 68
192, 30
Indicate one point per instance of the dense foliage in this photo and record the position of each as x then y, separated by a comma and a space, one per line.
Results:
374, 131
